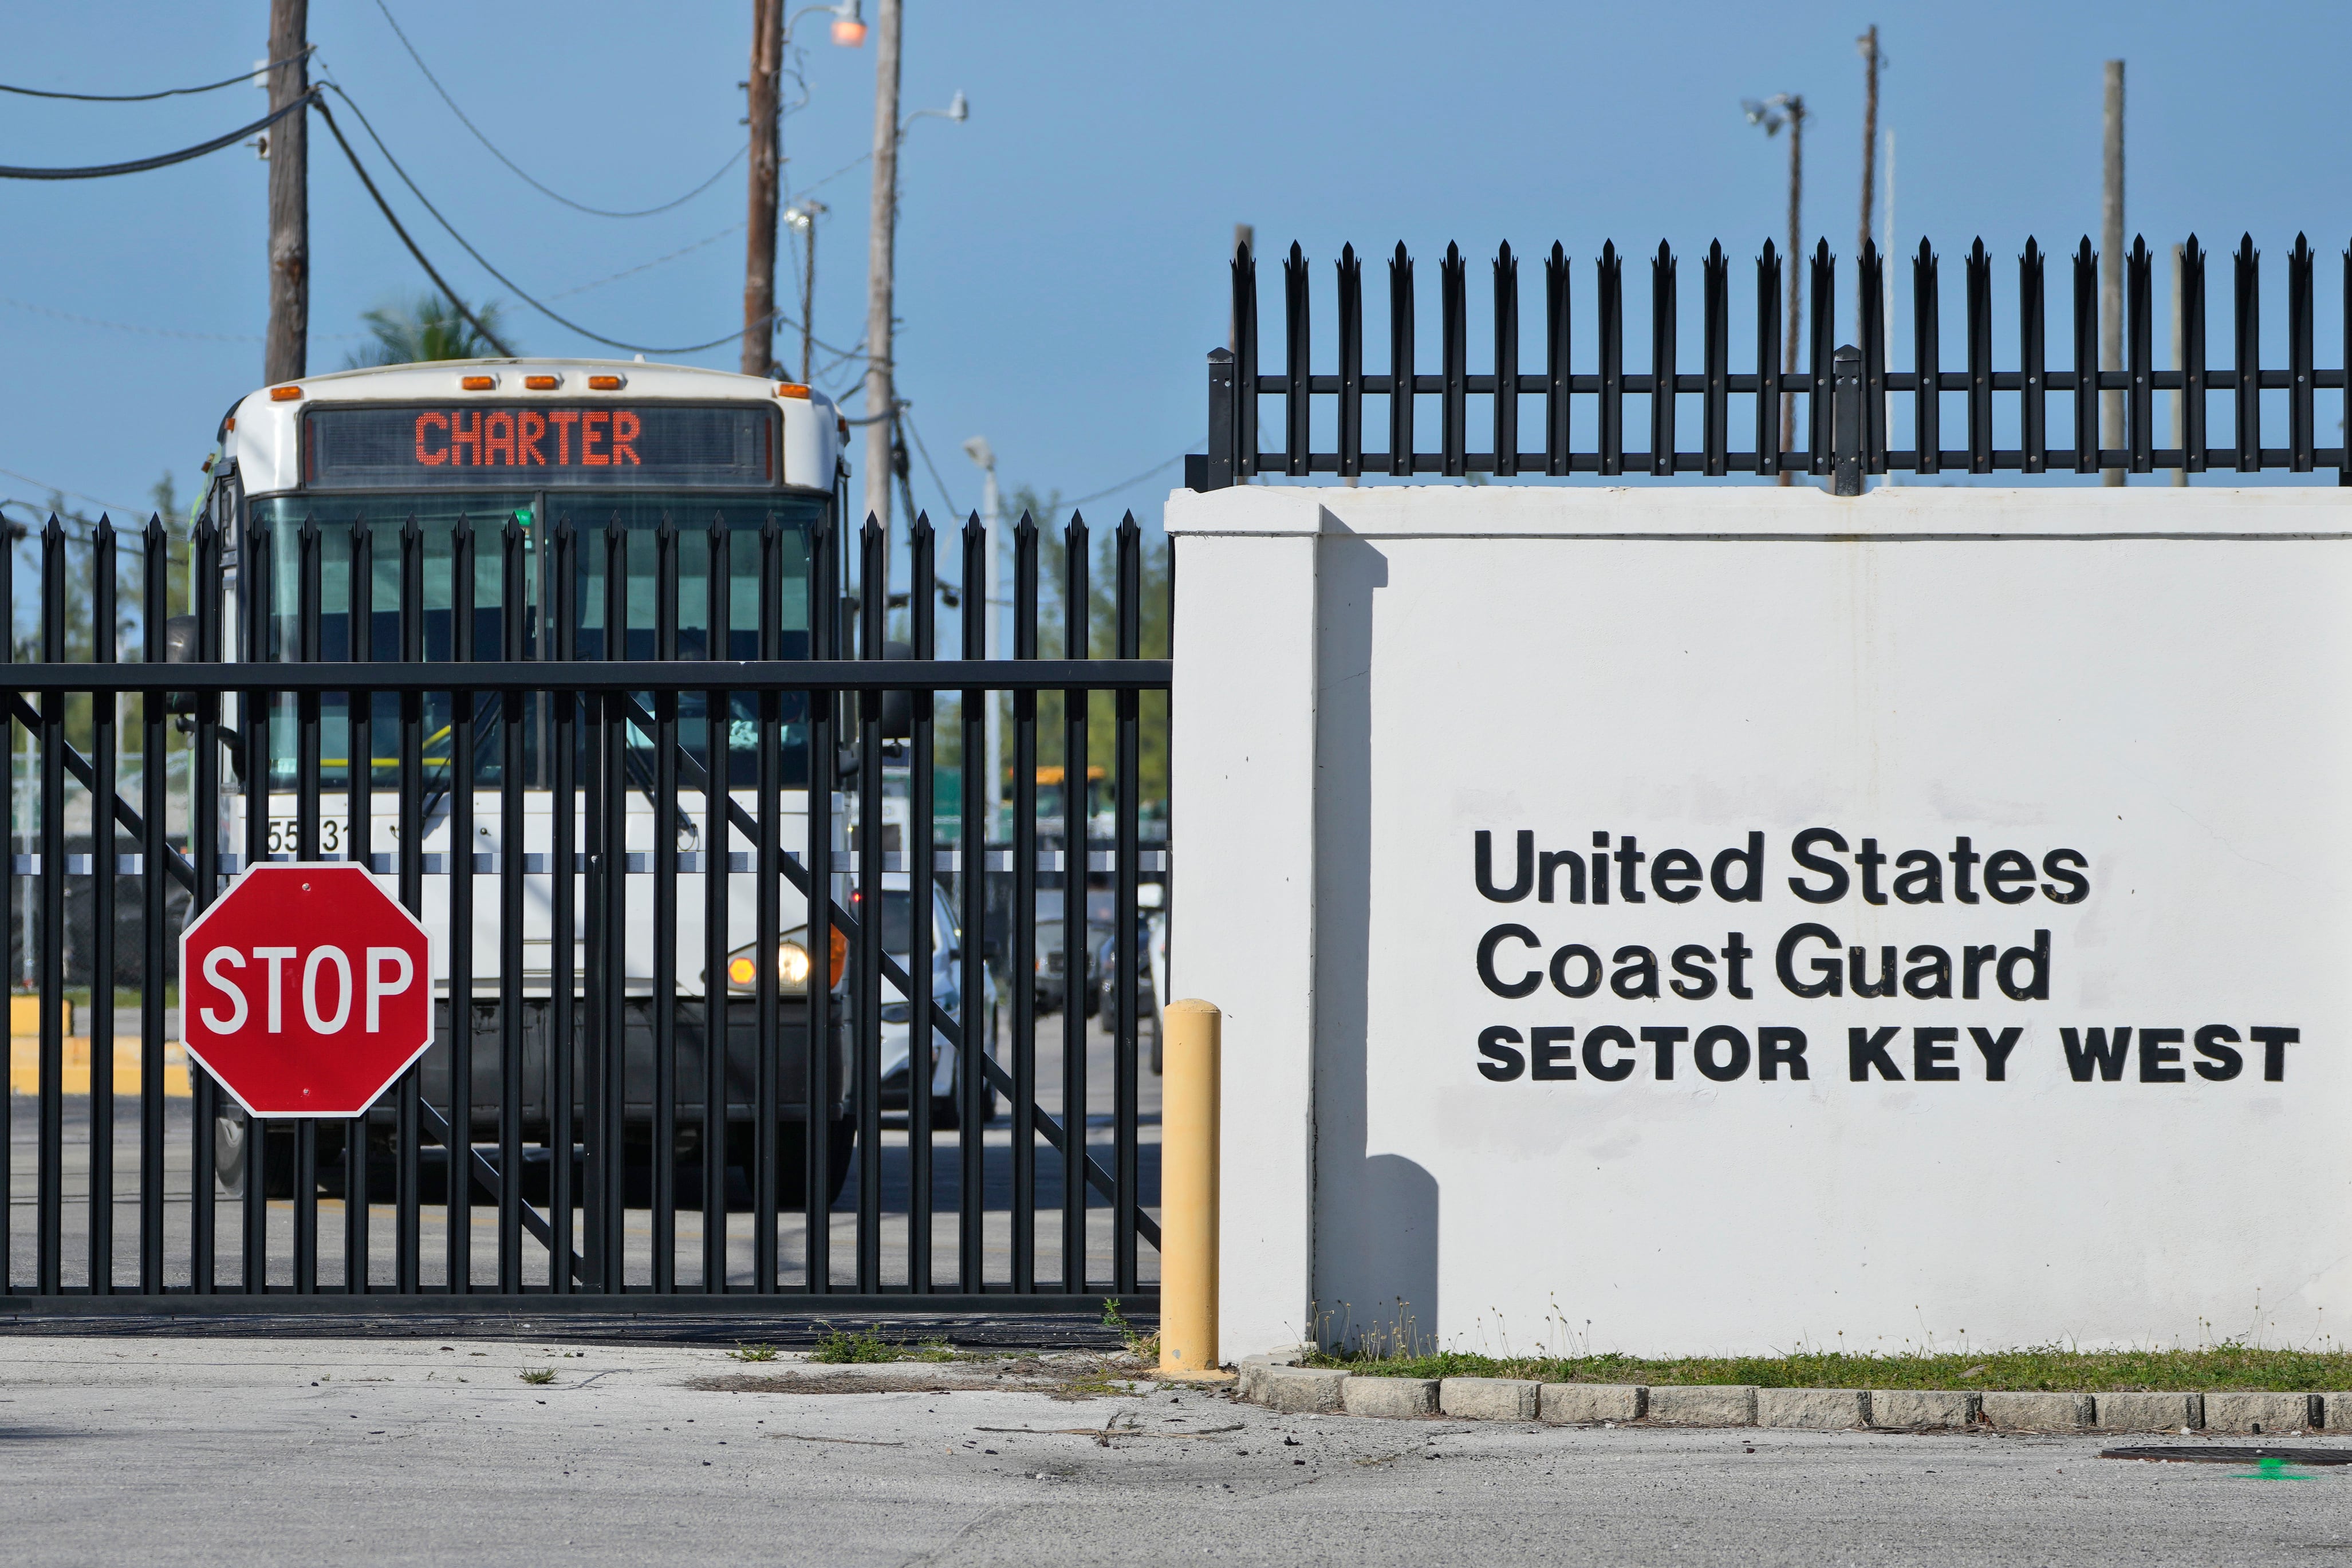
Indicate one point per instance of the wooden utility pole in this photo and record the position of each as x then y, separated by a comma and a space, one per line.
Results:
2111, 268
760, 245
286, 350
881, 391
1868, 44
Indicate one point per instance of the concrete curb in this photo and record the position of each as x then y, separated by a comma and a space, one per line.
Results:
1247, 1382
1489, 1398
1813, 1409
1703, 1405
1301, 1390
2028, 1412
1279, 1381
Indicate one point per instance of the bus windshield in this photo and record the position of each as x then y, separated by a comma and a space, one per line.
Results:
736, 518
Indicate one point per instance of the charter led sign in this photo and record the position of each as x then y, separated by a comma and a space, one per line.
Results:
603, 444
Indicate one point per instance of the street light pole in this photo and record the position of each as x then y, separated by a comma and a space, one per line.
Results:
1788, 108
991, 606
881, 250
802, 215
1868, 46
2111, 263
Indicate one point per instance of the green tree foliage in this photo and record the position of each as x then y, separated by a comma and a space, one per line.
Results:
424, 329
1101, 623
25, 525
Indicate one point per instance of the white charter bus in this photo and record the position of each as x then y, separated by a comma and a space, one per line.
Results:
539, 442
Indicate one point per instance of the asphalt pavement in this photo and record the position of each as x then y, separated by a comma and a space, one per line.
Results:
210, 1450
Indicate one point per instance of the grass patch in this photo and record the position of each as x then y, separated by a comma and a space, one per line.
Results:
849, 1347
1094, 1383
541, 1374
753, 1352
2042, 1368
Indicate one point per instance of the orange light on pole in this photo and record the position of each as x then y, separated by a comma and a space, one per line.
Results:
848, 27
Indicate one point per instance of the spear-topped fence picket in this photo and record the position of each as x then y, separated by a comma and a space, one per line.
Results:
1579, 415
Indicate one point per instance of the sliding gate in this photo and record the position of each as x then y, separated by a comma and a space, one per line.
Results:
776, 871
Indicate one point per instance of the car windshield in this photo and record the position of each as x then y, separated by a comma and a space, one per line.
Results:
899, 923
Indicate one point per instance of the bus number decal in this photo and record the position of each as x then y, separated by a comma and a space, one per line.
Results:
285, 839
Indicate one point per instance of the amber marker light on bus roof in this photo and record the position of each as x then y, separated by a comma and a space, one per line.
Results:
604, 384
478, 382
792, 389
543, 383
284, 394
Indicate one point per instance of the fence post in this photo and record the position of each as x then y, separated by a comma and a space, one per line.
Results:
1188, 1184
1219, 474
1845, 426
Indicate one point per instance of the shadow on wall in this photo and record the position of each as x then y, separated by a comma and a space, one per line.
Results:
1376, 1215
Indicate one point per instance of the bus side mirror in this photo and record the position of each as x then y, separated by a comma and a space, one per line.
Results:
180, 647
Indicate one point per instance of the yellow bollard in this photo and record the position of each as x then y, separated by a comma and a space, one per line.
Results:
1188, 1190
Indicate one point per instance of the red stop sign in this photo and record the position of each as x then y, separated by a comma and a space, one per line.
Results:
305, 989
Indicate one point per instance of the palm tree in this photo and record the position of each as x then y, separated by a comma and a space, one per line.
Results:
428, 329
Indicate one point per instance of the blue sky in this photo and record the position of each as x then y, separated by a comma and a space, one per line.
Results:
1061, 253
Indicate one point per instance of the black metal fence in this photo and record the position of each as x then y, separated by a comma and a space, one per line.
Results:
623, 1132
1842, 433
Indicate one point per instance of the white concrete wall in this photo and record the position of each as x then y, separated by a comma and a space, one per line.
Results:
1242, 715
2157, 678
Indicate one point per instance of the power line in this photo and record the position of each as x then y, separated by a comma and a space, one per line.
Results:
61, 490
167, 92
1127, 484
161, 159
732, 159
56, 315
388, 216
78, 529
906, 418
820, 184
484, 262
647, 266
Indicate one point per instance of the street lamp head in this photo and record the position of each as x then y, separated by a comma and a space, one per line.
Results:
1773, 112
848, 27
959, 110
981, 452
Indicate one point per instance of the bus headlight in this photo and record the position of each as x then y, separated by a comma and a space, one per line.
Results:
792, 965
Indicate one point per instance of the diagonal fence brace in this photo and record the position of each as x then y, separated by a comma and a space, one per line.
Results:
86, 776
694, 775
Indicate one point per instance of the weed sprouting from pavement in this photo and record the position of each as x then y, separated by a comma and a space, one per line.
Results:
849, 1347
753, 1352
539, 1374
1141, 1345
